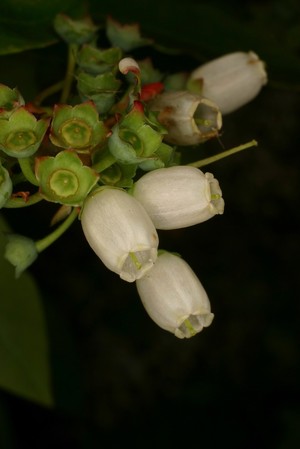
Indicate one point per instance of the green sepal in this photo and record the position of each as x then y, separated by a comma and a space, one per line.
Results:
64, 179
127, 37
21, 134
20, 251
119, 175
10, 100
96, 61
77, 127
74, 31
5, 186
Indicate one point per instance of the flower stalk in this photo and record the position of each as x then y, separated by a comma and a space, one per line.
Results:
217, 157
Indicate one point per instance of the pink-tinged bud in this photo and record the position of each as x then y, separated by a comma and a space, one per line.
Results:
232, 80
127, 65
174, 297
189, 118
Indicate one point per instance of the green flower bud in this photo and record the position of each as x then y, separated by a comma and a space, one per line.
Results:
74, 31
76, 127
21, 252
126, 37
22, 134
5, 186
64, 179
10, 100
101, 89
96, 61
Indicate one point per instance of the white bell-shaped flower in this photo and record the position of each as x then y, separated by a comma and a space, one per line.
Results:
177, 197
119, 230
174, 297
232, 80
189, 118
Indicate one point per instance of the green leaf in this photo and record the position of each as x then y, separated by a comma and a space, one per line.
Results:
27, 24
24, 360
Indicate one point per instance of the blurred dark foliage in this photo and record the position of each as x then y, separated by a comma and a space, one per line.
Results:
121, 381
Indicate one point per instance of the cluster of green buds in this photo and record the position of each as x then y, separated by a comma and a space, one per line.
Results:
109, 153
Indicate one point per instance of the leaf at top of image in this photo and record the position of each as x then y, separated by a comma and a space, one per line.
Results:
28, 24
209, 29
24, 355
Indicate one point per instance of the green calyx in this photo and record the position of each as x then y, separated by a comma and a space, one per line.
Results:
101, 89
134, 140
20, 140
77, 127
64, 179
76, 133
22, 134
64, 183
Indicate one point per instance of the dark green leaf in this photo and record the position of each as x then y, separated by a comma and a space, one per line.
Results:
27, 24
23, 340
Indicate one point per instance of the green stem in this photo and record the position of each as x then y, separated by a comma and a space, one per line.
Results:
47, 92
51, 238
25, 165
19, 202
217, 157
73, 48
106, 161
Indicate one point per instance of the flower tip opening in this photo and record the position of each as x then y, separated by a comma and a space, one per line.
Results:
137, 264
193, 324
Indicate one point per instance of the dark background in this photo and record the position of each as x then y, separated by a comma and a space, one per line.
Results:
119, 380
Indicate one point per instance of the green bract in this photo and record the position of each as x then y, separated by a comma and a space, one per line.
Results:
74, 31
96, 61
134, 140
64, 179
126, 37
5, 186
101, 89
21, 134
76, 127
10, 99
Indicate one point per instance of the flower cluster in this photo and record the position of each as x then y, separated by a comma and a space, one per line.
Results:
109, 152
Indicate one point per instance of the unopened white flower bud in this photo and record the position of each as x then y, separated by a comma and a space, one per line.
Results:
174, 297
128, 65
119, 230
232, 80
189, 118
177, 197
